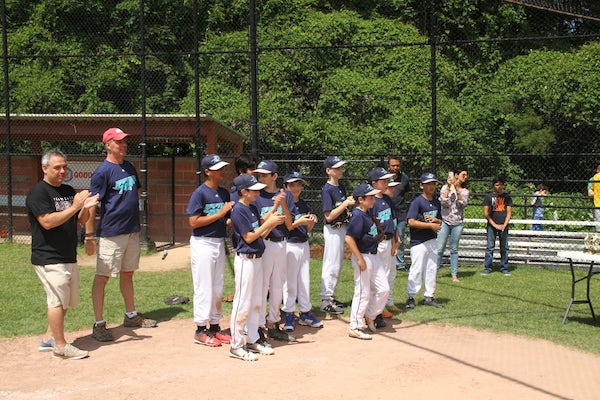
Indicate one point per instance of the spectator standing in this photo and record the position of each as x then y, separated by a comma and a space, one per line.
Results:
117, 184
594, 193
54, 209
454, 197
538, 206
399, 195
497, 210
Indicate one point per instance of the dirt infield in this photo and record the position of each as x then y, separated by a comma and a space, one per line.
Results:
404, 360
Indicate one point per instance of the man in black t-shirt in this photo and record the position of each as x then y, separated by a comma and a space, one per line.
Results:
54, 209
497, 210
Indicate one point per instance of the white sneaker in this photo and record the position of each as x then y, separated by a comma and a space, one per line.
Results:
260, 348
242, 354
359, 334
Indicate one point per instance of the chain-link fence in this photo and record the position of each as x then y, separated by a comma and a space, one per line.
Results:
497, 88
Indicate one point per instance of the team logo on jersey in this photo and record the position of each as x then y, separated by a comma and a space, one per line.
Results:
125, 185
210, 209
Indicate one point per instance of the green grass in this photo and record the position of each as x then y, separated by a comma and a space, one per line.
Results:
531, 302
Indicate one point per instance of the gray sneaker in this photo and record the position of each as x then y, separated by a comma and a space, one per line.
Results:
138, 322
101, 333
429, 301
70, 352
260, 348
330, 307
276, 333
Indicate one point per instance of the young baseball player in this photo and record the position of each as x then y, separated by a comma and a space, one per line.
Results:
385, 213
424, 221
371, 287
208, 208
335, 204
272, 200
249, 233
297, 284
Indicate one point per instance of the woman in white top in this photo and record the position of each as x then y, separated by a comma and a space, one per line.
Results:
454, 197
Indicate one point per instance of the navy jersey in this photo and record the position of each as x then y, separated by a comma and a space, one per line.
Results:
206, 201
300, 233
419, 208
331, 197
264, 203
118, 186
243, 220
363, 230
384, 211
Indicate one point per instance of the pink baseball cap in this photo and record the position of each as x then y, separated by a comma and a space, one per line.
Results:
113, 134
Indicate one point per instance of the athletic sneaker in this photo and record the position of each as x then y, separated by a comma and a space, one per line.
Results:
394, 309
506, 273
222, 337
101, 333
47, 345
260, 348
138, 321
330, 307
307, 319
70, 352
289, 322
429, 301
359, 334
410, 303
242, 354
386, 314
205, 337
370, 324
379, 322
486, 272
276, 333
338, 303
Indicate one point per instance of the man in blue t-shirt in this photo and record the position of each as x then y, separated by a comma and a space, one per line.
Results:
497, 210
424, 219
116, 182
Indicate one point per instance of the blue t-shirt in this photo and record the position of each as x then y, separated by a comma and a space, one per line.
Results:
264, 203
118, 186
243, 220
331, 197
300, 233
384, 211
364, 231
419, 208
207, 201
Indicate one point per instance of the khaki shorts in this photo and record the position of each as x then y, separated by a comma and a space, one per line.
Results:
117, 254
61, 283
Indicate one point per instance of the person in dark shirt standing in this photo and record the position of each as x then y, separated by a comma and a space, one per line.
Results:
497, 210
54, 209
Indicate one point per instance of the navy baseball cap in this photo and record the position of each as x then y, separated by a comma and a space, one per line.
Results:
333, 162
428, 177
393, 183
378, 173
247, 181
266, 167
213, 162
293, 176
364, 189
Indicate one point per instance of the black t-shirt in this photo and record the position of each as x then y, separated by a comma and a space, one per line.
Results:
57, 245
